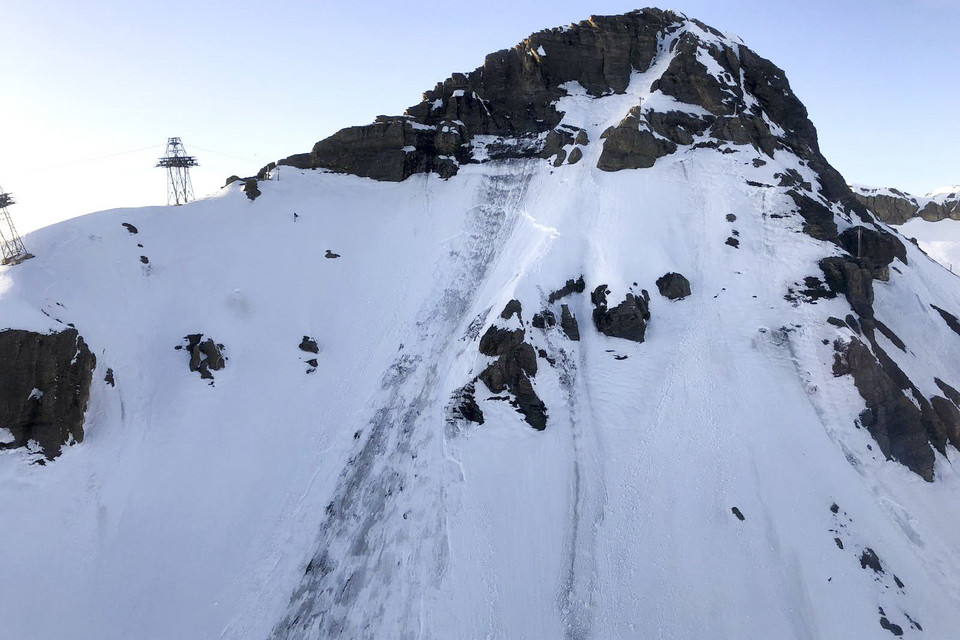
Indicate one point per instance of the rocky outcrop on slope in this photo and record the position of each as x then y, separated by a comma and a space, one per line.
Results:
632, 145
674, 286
44, 389
906, 425
205, 355
515, 365
627, 320
896, 207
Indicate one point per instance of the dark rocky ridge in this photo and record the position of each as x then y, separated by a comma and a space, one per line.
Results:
44, 388
896, 207
511, 97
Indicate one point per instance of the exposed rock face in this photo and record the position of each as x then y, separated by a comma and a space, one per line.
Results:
205, 355
251, 189
895, 422
510, 97
516, 363
631, 145
875, 249
627, 320
568, 323
845, 275
896, 207
44, 388
673, 286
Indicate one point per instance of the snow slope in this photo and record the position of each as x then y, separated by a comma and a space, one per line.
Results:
196, 511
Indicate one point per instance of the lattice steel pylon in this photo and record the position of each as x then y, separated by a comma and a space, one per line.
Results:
178, 163
13, 249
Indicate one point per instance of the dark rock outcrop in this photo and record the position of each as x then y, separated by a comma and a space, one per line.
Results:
673, 286
205, 355
544, 319
515, 365
568, 323
309, 345
875, 249
631, 145
896, 207
44, 388
902, 429
464, 404
512, 97
949, 318
571, 286
250, 188
845, 275
627, 320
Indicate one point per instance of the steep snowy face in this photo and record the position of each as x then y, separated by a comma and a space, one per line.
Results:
605, 349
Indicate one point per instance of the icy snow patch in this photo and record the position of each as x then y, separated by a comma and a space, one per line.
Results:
6, 436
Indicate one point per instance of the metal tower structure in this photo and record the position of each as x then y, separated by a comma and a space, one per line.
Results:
13, 249
178, 163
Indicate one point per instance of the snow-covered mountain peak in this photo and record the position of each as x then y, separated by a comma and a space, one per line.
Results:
591, 343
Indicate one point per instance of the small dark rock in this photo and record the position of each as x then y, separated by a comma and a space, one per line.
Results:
869, 559
513, 308
895, 629
733, 242
576, 155
544, 319
465, 404
571, 286
331, 254
309, 345
205, 355
673, 286
144, 259
129, 227
313, 362
839, 542
731, 217
737, 513
627, 320
109, 378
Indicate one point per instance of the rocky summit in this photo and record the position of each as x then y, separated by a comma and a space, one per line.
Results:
593, 342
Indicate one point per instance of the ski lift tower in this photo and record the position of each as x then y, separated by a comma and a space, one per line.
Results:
178, 163
13, 250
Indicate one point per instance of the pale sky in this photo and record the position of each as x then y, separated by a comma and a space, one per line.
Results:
92, 90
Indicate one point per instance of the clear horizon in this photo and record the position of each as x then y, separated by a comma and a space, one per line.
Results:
97, 89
